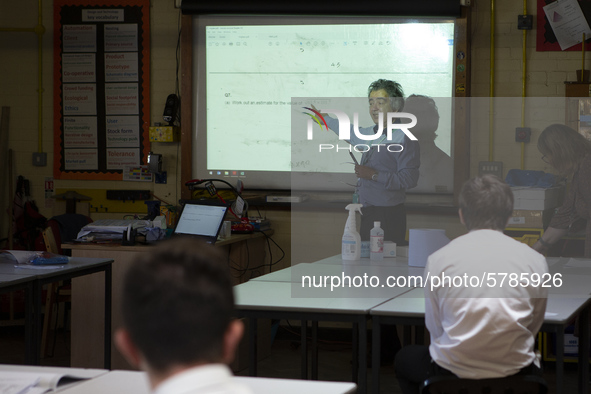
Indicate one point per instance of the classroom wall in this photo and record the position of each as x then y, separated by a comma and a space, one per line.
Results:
546, 73
18, 90
545, 77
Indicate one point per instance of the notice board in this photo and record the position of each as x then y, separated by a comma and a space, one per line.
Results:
545, 37
101, 87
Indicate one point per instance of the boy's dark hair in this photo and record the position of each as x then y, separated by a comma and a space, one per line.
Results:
177, 303
486, 202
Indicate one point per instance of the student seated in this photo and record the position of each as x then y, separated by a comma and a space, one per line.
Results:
479, 332
177, 305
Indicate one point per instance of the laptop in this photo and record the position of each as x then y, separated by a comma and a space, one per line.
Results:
201, 220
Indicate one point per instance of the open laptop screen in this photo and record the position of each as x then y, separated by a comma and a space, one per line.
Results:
201, 220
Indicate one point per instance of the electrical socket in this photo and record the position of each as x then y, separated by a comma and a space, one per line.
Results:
160, 177
39, 159
525, 22
522, 134
491, 167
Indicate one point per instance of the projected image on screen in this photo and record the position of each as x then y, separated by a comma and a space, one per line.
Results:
252, 78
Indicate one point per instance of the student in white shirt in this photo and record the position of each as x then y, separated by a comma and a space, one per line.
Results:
487, 331
177, 305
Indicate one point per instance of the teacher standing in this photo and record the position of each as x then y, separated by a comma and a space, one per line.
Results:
384, 175
569, 153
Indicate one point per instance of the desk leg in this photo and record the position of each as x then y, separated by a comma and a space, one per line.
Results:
252, 344
355, 351
406, 335
304, 349
375, 353
108, 303
35, 358
362, 355
584, 351
30, 319
560, 359
420, 335
315, 350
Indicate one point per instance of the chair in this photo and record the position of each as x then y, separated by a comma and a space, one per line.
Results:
55, 293
65, 228
516, 384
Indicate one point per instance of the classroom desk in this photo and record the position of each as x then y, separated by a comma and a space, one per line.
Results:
403, 306
82, 373
87, 293
399, 261
11, 282
295, 273
409, 309
39, 276
125, 382
261, 299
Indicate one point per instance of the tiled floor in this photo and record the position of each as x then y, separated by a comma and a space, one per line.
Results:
283, 362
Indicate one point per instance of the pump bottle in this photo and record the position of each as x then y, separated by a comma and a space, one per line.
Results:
351, 243
376, 242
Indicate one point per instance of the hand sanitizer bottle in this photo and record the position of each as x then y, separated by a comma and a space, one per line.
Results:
376, 242
351, 242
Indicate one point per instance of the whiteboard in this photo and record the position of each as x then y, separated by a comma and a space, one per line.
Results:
256, 75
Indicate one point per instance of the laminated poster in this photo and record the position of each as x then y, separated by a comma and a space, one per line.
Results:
101, 85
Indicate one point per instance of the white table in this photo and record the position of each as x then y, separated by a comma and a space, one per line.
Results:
11, 274
409, 309
295, 273
279, 294
398, 261
86, 373
81, 373
275, 300
125, 382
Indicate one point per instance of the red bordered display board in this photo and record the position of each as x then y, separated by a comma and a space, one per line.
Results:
101, 87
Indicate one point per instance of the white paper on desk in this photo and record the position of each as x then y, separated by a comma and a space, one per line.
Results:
568, 22
574, 263
423, 242
18, 256
15, 382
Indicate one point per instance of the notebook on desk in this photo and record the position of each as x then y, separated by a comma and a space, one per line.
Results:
201, 221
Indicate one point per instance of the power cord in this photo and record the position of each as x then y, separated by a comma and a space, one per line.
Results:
242, 271
192, 184
271, 263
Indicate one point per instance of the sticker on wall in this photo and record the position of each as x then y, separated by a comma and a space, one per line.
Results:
461, 68
460, 88
461, 55
49, 200
137, 173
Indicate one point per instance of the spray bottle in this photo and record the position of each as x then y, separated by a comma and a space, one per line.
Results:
351, 244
